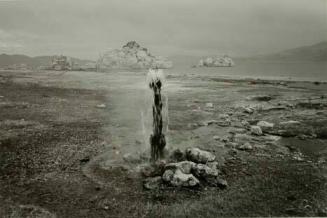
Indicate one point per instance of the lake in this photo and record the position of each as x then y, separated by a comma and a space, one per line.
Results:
298, 71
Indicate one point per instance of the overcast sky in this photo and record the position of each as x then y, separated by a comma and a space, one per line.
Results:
85, 28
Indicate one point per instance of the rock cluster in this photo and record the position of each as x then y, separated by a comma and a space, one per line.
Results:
197, 167
131, 56
224, 61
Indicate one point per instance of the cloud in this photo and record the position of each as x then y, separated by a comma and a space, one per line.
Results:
85, 28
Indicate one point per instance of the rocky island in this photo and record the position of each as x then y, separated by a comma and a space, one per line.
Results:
224, 61
131, 56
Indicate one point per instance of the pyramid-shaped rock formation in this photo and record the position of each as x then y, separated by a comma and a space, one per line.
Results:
131, 56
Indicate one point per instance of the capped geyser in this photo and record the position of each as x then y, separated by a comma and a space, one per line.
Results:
155, 80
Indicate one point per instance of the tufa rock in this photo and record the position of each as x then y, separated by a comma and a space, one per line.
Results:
131, 56
224, 61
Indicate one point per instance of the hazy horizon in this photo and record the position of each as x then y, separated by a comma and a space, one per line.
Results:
84, 29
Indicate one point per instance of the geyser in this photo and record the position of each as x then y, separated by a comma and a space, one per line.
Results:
157, 138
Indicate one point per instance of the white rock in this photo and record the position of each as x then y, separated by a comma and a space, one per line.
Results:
246, 146
178, 178
256, 130
264, 125
184, 166
248, 110
216, 137
101, 106
210, 105
204, 171
168, 175
199, 156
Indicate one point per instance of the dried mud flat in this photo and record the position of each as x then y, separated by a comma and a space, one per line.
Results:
54, 125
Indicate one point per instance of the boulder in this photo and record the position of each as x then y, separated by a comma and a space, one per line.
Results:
183, 166
256, 130
199, 156
205, 172
178, 178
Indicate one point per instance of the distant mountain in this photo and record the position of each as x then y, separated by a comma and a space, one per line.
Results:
316, 52
33, 62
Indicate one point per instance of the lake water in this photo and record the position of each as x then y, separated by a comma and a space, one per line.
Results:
298, 71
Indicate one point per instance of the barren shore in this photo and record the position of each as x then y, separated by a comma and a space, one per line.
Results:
57, 127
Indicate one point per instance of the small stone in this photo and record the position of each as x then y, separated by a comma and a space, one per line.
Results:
223, 116
199, 156
245, 123
246, 147
225, 139
265, 125
216, 137
101, 106
237, 130
222, 183
256, 130
231, 145
261, 98
209, 104
152, 183
248, 110
85, 159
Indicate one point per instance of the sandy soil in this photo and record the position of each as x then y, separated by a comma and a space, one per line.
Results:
59, 129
